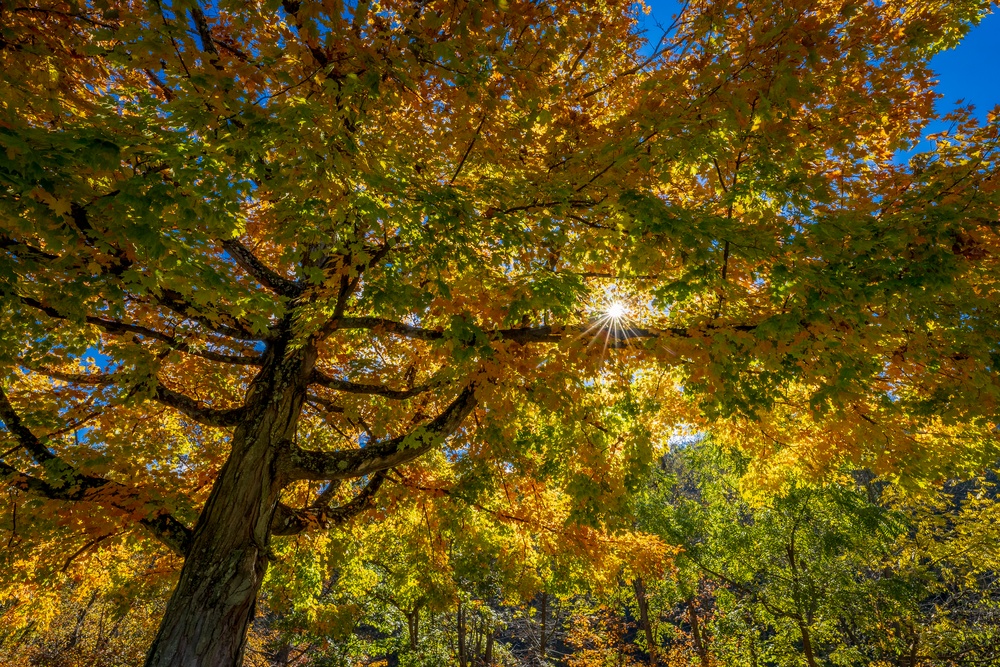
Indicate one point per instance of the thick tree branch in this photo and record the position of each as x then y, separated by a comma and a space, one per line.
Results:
390, 326
321, 378
225, 326
204, 31
259, 271
543, 334
349, 285
19, 249
174, 399
68, 483
290, 521
116, 327
291, 8
35, 448
326, 404
161, 524
199, 413
222, 324
309, 464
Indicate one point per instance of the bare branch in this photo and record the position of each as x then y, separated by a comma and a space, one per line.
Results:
465, 155
374, 457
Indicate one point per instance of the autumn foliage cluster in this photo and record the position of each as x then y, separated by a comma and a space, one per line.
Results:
427, 332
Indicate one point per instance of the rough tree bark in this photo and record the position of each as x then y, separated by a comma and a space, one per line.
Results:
208, 615
210, 611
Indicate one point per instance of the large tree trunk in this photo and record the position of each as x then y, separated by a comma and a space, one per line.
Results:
206, 621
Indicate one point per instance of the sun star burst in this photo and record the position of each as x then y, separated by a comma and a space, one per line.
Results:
616, 310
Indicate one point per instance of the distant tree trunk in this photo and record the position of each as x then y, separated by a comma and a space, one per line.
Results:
488, 657
477, 650
81, 617
463, 659
542, 639
282, 655
413, 626
699, 643
208, 615
910, 659
807, 647
803, 622
643, 603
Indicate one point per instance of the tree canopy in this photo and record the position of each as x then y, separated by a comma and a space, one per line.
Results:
263, 264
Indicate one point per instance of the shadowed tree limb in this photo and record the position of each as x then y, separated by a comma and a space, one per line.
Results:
174, 399
318, 377
204, 31
542, 334
68, 483
289, 521
161, 524
326, 404
225, 325
199, 413
270, 279
23, 250
377, 456
117, 327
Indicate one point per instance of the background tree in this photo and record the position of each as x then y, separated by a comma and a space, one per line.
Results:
254, 250
849, 571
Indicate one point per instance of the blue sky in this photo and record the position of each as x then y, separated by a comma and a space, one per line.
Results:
970, 72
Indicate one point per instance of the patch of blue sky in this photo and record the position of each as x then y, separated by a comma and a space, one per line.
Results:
456, 449
966, 75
